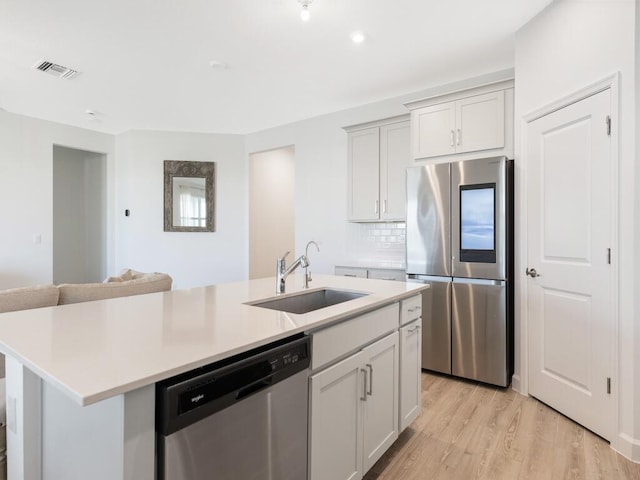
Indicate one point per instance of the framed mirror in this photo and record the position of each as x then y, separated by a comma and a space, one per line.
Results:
189, 196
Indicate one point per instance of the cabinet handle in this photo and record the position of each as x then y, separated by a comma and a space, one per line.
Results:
451, 138
376, 207
364, 383
370, 367
387, 278
350, 275
458, 137
414, 329
384, 206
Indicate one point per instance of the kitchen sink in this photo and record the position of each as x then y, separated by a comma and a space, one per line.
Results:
308, 301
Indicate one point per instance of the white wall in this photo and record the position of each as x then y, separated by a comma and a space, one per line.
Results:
569, 46
271, 209
26, 186
321, 172
79, 212
192, 259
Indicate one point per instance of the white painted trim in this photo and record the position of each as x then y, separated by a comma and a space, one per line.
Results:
611, 82
377, 123
516, 383
627, 446
521, 291
574, 97
461, 93
615, 257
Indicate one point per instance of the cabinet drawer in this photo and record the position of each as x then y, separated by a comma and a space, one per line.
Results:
336, 341
351, 272
410, 309
386, 274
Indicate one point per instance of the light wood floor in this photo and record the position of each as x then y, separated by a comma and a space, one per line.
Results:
471, 431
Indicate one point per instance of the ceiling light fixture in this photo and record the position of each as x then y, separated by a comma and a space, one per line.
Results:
357, 37
304, 14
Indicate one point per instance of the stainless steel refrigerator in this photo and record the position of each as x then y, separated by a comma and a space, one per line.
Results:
460, 242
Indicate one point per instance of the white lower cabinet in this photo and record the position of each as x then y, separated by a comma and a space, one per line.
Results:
354, 412
410, 372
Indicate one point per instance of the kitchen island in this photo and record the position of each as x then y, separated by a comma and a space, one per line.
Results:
81, 377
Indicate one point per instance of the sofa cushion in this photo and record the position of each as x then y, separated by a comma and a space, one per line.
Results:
26, 298
124, 275
86, 292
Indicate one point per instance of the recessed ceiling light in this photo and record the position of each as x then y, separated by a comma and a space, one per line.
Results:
304, 13
216, 65
357, 37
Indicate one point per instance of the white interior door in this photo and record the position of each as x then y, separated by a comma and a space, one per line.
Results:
569, 236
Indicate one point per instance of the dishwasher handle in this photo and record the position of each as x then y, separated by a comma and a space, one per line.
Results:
256, 387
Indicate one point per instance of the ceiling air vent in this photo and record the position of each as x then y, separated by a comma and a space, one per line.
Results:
55, 69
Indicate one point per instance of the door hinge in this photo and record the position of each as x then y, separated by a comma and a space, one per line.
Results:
609, 256
609, 385
608, 120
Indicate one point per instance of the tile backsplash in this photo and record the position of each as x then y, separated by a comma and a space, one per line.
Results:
380, 241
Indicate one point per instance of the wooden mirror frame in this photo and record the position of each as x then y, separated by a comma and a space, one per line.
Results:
181, 168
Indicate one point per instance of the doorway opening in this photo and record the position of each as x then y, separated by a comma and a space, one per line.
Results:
79, 215
271, 209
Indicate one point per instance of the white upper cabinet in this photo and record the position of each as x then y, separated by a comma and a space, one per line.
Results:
395, 157
480, 122
379, 153
468, 124
434, 128
364, 166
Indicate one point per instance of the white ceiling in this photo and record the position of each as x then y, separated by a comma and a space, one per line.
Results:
145, 63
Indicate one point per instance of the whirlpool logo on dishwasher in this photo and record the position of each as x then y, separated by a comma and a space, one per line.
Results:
197, 398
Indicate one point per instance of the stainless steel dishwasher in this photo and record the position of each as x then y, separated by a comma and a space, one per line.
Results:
243, 418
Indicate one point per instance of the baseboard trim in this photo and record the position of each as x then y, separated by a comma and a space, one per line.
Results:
628, 447
516, 384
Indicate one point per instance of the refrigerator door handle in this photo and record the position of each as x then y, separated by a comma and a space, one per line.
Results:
428, 278
480, 281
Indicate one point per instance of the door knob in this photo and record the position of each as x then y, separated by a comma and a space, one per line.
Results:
532, 273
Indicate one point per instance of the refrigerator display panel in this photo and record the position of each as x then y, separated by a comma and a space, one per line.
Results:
478, 223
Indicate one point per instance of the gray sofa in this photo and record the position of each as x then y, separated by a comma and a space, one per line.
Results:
127, 283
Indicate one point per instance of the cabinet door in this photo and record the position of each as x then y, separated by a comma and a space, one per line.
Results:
433, 130
410, 378
335, 426
364, 172
480, 122
350, 272
395, 157
387, 274
380, 425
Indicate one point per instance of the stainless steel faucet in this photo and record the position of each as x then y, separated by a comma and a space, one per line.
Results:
307, 272
283, 272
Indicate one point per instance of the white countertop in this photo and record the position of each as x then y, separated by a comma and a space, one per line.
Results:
96, 350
